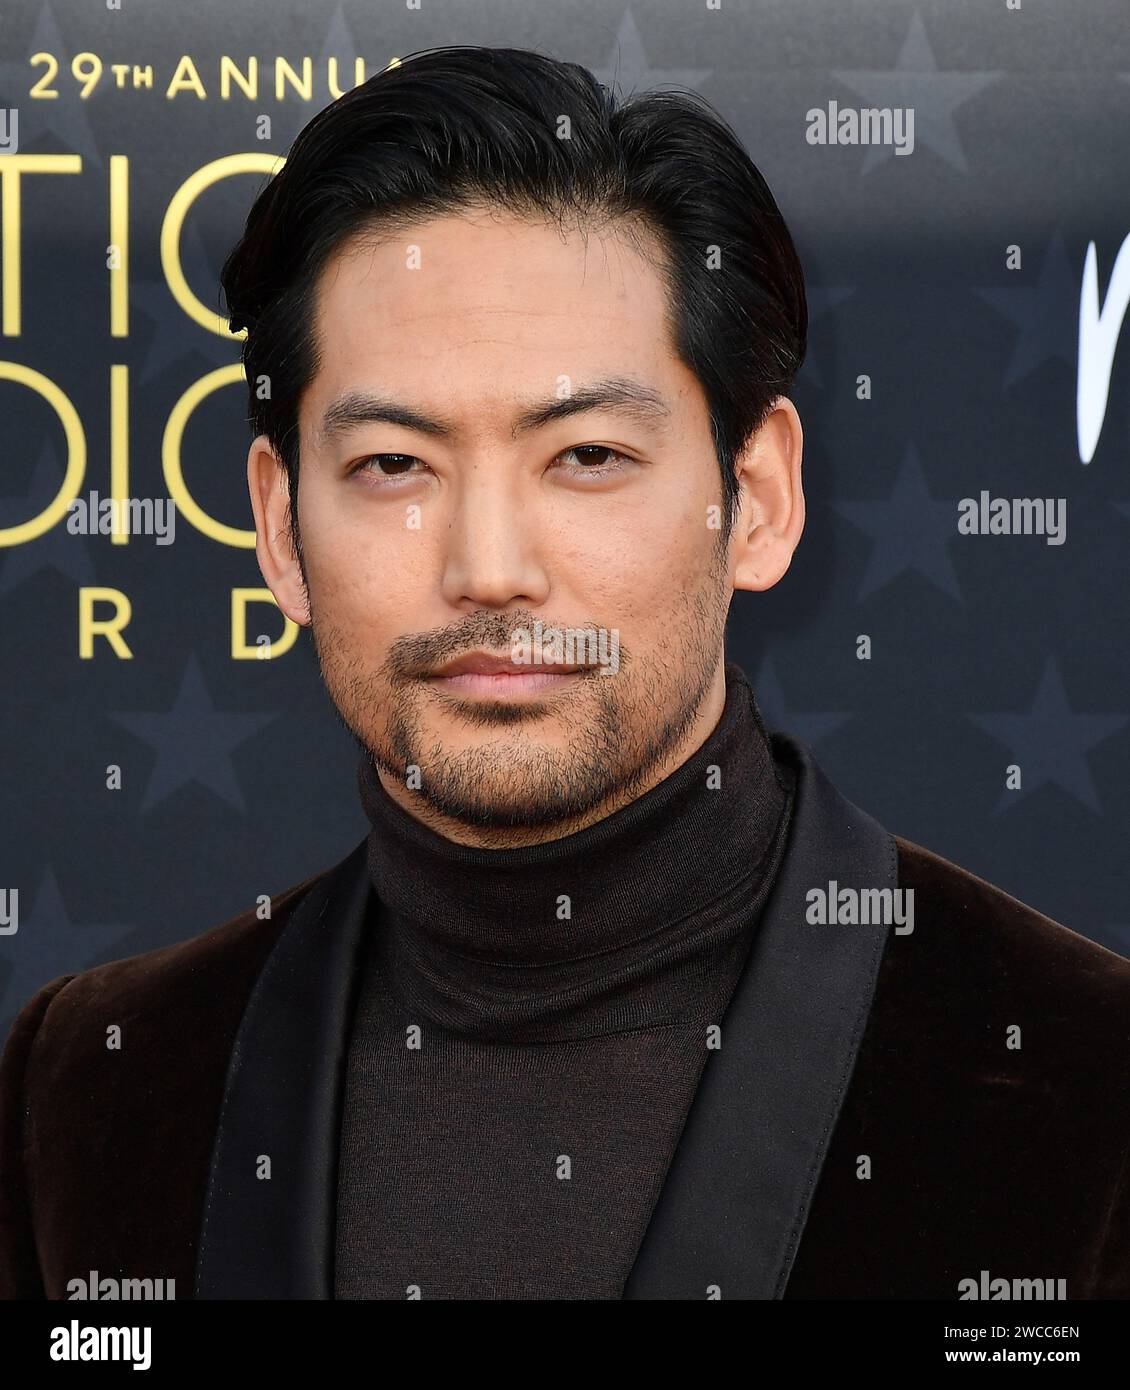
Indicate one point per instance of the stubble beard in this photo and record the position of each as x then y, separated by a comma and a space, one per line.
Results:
620, 727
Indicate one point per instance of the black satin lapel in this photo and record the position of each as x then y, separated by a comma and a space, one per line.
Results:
274, 1237
736, 1198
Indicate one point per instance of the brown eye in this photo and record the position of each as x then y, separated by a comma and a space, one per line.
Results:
585, 452
607, 461
387, 465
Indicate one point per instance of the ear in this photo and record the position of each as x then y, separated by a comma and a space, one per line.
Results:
274, 545
770, 515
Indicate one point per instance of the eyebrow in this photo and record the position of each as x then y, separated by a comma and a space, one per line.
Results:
620, 394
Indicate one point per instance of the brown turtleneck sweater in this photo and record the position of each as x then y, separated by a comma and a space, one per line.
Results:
518, 1079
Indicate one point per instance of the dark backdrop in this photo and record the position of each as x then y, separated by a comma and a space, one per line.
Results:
986, 650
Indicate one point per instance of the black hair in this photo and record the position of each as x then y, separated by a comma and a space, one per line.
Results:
452, 127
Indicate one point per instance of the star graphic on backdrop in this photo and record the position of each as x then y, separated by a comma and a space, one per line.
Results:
48, 943
822, 299
1046, 313
289, 116
631, 71
175, 336
915, 81
910, 531
57, 549
1049, 741
776, 712
65, 116
193, 740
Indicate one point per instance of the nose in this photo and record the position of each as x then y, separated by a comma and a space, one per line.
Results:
492, 552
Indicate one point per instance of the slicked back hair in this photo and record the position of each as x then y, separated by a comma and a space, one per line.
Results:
452, 128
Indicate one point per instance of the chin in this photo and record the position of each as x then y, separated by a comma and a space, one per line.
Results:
501, 808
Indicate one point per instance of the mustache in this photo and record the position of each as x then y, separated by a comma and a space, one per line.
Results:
419, 653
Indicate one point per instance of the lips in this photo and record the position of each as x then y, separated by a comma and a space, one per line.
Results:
487, 664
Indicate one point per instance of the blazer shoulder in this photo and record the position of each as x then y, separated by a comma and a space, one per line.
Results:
187, 983
982, 922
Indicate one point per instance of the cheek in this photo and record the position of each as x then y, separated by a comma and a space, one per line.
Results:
639, 567
598, 571
363, 579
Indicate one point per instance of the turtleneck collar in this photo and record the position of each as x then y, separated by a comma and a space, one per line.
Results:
602, 929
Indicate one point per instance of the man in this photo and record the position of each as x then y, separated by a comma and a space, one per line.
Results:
620, 998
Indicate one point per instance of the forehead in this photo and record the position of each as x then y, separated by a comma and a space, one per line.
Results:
479, 305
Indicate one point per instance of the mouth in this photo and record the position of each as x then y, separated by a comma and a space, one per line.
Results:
500, 677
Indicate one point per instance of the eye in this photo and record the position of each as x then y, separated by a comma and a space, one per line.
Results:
386, 466
595, 467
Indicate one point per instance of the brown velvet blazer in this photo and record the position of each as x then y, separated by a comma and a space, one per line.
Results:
864, 1131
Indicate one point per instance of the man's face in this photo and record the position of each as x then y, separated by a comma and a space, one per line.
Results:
424, 546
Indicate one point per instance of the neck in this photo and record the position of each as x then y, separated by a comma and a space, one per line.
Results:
509, 837
605, 930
